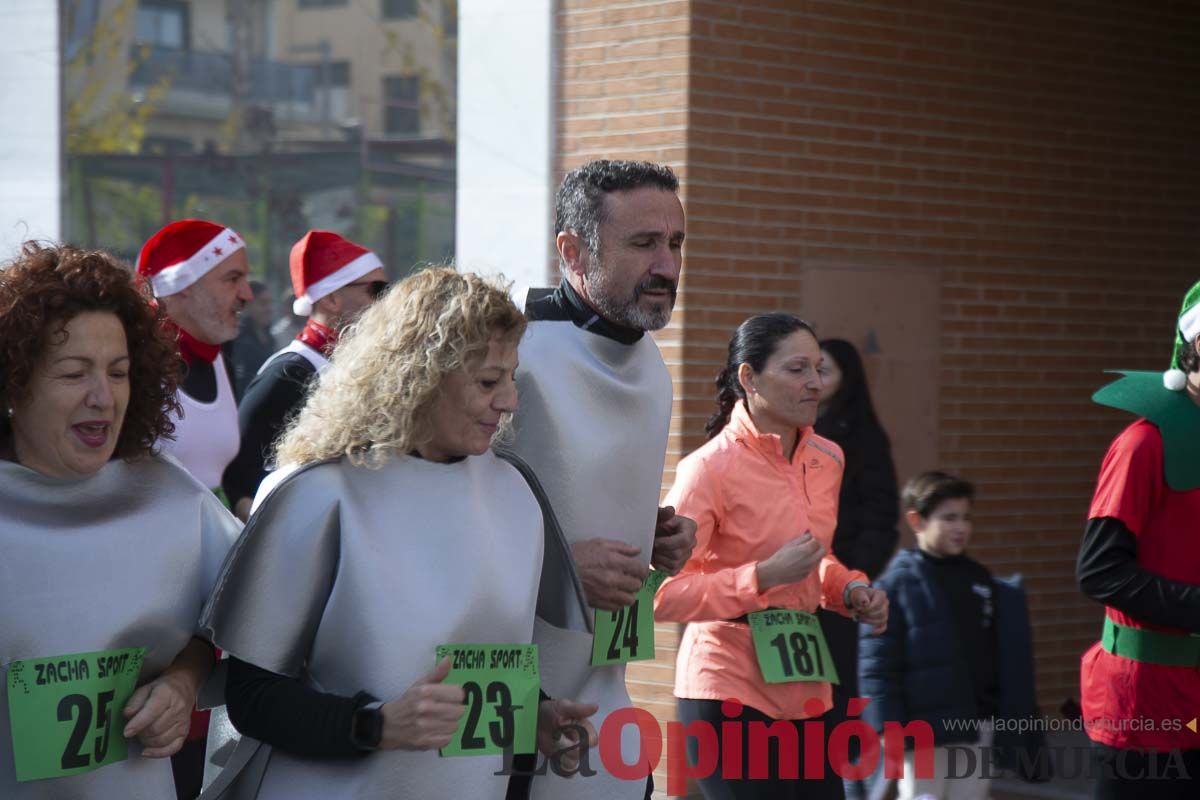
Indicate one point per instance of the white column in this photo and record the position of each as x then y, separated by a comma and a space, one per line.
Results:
505, 204
30, 139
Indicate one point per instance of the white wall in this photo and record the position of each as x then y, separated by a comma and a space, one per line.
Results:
505, 205
30, 179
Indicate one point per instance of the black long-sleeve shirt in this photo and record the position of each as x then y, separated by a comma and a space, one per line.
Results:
1108, 571
271, 400
285, 713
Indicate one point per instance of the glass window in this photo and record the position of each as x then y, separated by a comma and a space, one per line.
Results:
219, 110
402, 97
339, 73
162, 25
81, 18
399, 9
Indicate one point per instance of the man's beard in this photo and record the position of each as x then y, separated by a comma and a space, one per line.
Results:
627, 311
215, 324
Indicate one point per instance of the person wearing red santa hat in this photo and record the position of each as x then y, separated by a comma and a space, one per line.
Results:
333, 279
197, 270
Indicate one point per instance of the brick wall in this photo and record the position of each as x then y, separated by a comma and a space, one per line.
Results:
1037, 161
1043, 163
622, 93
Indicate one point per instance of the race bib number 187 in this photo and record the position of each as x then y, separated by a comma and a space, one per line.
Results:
66, 711
791, 646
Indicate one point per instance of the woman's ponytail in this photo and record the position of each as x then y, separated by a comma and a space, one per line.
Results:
727, 397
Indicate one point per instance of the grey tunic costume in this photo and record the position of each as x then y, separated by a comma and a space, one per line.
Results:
123, 558
593, 423
348, 578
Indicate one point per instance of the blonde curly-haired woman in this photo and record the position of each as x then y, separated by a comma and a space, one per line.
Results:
390, 529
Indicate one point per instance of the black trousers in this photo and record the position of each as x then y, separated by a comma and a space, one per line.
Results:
841, 634
188, 768
1134, 775
520, 785
773, 787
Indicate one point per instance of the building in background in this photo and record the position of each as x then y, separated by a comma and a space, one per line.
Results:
273, 116
995, 201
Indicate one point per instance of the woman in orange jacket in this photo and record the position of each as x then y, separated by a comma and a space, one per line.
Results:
763, 491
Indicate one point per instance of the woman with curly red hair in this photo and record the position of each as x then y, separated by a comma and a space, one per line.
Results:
109, 548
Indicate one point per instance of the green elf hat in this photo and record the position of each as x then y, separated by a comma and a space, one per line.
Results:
1186, 332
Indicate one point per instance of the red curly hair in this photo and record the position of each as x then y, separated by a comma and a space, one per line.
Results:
46, 287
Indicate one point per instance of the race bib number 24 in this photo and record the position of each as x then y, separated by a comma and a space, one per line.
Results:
627, 634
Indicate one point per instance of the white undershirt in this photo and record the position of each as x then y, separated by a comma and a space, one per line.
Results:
206, 436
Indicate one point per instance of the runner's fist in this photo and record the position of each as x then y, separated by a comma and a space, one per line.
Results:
870, 606
610, 571
560, 725
674, 538
426, 716
791, 563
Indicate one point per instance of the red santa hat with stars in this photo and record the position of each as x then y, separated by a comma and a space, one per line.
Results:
323, 262
182, 252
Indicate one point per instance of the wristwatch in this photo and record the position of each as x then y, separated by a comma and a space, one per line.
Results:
366, 727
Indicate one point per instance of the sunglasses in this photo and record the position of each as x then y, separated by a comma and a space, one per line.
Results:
374, 288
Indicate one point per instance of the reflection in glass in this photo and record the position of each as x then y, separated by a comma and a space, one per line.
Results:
271, 116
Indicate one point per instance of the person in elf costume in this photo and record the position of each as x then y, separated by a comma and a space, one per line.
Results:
334, 279
1140, 557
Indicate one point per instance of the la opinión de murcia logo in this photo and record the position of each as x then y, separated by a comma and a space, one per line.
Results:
809, 761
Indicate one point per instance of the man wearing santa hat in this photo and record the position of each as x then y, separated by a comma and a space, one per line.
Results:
198, 271
333, 279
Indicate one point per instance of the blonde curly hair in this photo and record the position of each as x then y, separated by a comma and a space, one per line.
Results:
373, 402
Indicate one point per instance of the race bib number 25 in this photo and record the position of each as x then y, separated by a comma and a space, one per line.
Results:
66, 711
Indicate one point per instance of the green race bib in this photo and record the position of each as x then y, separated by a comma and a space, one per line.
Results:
790, 646
627, 634
501, 684
66, 711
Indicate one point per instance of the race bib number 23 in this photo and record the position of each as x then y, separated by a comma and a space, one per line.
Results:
501, 683
66, 711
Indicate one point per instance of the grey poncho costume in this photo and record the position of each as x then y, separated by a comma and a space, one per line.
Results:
593, 423
348, 578
122, 558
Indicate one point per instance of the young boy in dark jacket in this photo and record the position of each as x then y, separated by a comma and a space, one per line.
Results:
940, 660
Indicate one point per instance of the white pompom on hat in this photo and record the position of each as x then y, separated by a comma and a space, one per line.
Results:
1175, 379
